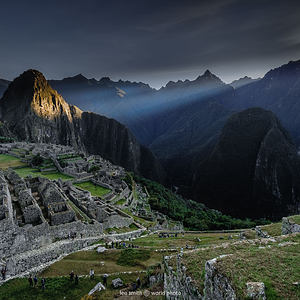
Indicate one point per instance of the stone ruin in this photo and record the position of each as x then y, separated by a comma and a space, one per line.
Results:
36, 213
55, 203
96, 208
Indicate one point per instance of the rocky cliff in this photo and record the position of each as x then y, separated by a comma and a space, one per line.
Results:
33, 111
253, 170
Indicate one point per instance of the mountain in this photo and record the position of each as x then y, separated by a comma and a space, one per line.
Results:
104, 96
206, 81
3, 86
194, 130
243, 81
31, 110
278, 91
253, 170
137, 105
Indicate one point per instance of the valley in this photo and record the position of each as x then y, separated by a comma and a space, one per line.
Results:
149, 245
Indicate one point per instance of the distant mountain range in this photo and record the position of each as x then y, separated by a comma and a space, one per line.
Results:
243, 81
185, 124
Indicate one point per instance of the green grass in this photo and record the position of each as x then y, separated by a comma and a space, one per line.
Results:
191, 239
295, 218
131, 227
23, 172
61, 288
277, 266
121, 202
56, 288
9, 161
273, 229
106, 262
95, 190
145, 223
133, 257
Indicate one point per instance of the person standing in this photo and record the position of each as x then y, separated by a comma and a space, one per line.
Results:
76, 279
72, 275
105, 280
3, 273
35, 280
92, 274
43, 283
30, 281
138, 282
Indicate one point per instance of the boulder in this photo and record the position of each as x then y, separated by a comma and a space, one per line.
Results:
256, 290
289, 226
117, 283
101, 249
97, 288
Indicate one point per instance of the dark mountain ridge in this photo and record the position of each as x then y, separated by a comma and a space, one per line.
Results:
253, 170
243, 81
3, 86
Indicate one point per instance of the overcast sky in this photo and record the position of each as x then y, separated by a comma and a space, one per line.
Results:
148, 40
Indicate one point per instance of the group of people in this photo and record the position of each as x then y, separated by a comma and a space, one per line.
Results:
33, 282
167, 235
74, 235
119, 245
74, 277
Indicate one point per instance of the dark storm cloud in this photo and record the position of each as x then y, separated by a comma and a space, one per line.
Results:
147, 40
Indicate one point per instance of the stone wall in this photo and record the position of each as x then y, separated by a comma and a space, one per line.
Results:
15, 240
260, 233
117, 221
289, 226
37, 257
217, 286
23, 262
179, 286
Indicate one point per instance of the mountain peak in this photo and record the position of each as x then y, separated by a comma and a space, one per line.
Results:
80, 77
31, 93
75, 79
105, 79
33, 75
29, 80
208, 75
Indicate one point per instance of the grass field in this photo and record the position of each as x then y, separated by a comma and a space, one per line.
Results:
131, 227
110, 261
190, 239
95, 190
9, 161
61, 288
275, 229
23, 172
277, 266
142, 221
